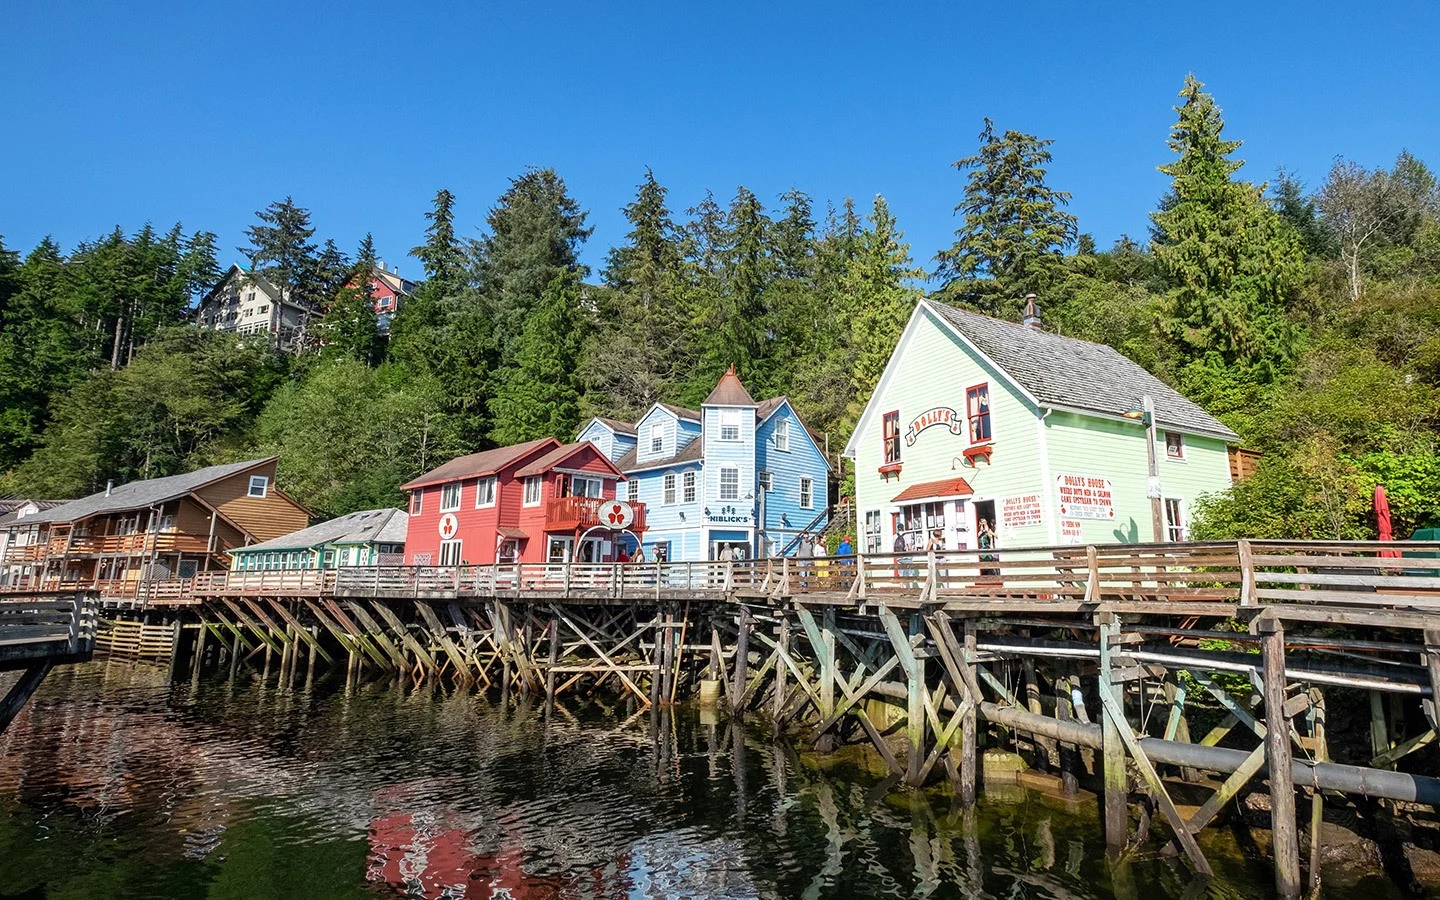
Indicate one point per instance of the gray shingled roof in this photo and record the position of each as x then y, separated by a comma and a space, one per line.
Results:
384, 526
1064, 371
142, 494
682, 412
486, 462
618, 426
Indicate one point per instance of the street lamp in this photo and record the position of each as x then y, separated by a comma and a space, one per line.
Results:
1146, 415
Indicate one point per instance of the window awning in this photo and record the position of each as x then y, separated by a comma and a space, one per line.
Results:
935, 490
517, 533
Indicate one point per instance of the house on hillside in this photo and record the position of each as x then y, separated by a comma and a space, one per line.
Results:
539, 501
12, 510
1043, 436
389, 291
736, 474
373, 537
247, 303
120, 539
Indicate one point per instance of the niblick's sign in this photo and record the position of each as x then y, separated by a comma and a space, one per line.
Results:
940, 415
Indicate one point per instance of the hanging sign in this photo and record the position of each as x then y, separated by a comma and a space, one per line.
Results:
1070, 531
449, 526
1017, 512
940, 415
1085, 497
617, 514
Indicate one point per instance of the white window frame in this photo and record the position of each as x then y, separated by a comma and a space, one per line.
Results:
451, 552
591, 483
657, 438
667, 494
766, 479
782, 435
417, 501
807, 492
632, 490
534, 485
1176, 532
687, 487
450, 496
485, 492
724, 470
874, 531
263, 481
730, 421
1165, 445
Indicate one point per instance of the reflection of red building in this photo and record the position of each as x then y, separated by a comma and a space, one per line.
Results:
540, 501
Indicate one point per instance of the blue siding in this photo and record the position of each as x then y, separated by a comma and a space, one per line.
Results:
785, 518
611, 444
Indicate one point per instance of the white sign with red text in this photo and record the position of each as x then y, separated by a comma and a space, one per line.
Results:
1085, 497
940, 415
1017, 512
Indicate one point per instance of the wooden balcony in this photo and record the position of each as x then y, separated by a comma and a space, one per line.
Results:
571, 514
139, 544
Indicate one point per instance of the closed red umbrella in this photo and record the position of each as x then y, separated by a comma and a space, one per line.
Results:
1383, 526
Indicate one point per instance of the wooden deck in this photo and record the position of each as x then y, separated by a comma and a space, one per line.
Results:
37, 632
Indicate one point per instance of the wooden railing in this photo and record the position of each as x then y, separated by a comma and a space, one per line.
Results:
141, 542
1240, 573
46, 625
576, 513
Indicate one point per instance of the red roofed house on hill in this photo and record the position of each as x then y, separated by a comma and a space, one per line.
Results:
530, 502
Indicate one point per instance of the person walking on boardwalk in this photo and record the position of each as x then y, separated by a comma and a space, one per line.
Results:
822, 565
987, 542
803, 550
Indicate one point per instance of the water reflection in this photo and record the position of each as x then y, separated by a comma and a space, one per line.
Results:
116, 782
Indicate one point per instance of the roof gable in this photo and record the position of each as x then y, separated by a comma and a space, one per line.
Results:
486, 462
552, 460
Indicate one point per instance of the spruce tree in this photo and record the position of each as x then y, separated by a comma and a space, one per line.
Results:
418, 328
881, 299
443, 256
1015, 229
349, 328
539, 395
740, 334
1231, 262
281, 250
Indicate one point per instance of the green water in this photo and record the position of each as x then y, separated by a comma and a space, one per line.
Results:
116, 782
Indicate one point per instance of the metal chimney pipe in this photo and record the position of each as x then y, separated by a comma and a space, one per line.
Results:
109, 486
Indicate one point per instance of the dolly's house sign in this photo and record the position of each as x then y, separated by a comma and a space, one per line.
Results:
940, 415
1085, 497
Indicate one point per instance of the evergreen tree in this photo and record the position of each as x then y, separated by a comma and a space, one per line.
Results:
739, 318
1232, 263
876, 282
419, 326
1014, 230
540, 395
350, 328
536, 231
442, 255
1292, 205
281, 250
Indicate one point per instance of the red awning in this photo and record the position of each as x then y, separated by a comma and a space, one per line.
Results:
517, 533
935, 490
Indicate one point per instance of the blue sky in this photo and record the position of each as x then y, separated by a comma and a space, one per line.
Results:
204, 112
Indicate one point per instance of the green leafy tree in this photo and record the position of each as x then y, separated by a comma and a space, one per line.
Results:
1233, 264
540, 393
1014, 231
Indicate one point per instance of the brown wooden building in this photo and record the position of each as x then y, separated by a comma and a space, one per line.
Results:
129, 540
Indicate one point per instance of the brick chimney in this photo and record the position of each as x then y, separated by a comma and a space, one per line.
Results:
1032, 313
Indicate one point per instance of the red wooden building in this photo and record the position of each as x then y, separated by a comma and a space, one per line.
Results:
534, 502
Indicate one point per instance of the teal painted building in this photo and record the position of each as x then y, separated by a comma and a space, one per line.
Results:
736, 473
368, 538
978, 418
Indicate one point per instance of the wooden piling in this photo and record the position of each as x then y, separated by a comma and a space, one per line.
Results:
1116, 779
1285, 843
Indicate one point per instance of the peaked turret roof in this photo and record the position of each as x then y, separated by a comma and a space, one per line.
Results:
729, 392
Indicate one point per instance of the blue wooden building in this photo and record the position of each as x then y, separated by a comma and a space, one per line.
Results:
735, 473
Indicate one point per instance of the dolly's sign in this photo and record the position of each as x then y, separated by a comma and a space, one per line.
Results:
940, 415
1085, 497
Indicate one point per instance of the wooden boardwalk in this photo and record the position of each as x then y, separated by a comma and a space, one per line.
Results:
37, 632
1093, 661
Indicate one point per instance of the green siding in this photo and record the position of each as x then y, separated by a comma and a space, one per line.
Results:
1032, 447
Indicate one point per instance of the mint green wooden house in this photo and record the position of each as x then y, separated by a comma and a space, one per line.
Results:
371, 537
1042, 435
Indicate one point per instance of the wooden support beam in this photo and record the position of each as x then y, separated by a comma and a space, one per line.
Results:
264, 636
742, 660
423, 657
377, 634
610, 664
1316, 719
437, 629
22, 690
1286, 842
1227, 790
914, 693
1112, 700
300, 630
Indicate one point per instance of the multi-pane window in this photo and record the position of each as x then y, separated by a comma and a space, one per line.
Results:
485, 491
687, 483
450, 497
729, 424
450, 553
782, 435
891, 431
1174, 445
417, 498
767, 480
1175, 529
584, 487
872, 531
259, 484
807, 493
532, 490
632, 490
668, 494
977, 410
729, 483
657, 437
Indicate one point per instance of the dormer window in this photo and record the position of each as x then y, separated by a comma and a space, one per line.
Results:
729, 424
657, 438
